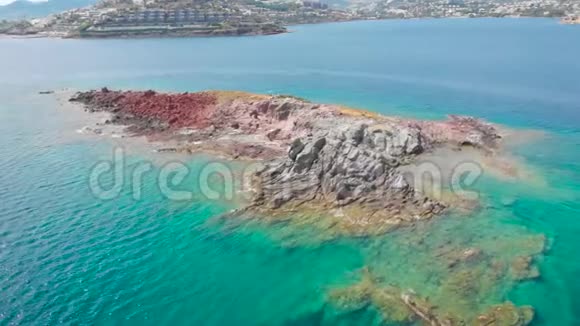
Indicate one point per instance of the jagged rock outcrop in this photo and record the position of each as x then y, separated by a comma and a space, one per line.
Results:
346, 166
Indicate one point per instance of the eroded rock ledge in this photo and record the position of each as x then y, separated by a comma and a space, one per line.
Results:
344, 161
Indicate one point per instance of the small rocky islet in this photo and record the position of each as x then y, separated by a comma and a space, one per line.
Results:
341, 167
312, 155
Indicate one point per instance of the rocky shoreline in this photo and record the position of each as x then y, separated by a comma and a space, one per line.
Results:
268, 29
151, 32
315, 158
571, 20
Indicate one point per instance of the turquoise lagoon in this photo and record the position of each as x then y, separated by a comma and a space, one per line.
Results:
66, 257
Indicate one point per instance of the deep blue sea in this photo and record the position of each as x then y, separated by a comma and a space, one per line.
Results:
69, 258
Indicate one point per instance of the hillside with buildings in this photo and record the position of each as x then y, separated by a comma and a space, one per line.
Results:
382, 9
143, 18
114, 18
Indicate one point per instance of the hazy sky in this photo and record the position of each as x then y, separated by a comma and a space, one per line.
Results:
5, 2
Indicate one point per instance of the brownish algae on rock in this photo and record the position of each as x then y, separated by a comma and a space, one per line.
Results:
406, 306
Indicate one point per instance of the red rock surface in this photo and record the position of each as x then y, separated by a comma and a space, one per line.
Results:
278, 119
177, 110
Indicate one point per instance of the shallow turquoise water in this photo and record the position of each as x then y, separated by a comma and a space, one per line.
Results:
67, 257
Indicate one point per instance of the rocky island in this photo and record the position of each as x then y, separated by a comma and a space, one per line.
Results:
315, 157
344, 172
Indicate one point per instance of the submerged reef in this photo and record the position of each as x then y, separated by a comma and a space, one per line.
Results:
444, 273
315, 158
407, 307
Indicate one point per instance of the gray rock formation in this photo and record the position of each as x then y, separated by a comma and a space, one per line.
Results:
346, 166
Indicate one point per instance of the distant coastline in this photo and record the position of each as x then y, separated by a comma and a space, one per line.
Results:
255, 30
134, 19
